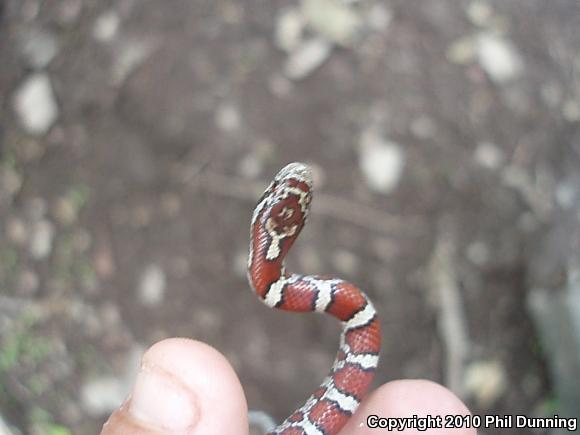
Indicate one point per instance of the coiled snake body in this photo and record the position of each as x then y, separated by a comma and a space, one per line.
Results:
276, 222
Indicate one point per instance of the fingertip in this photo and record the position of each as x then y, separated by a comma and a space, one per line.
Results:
404, 399
403, 395
184, 386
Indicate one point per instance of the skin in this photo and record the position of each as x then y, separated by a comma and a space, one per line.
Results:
186, 387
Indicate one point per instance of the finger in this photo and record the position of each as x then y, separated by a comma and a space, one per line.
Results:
184, 387
407, 398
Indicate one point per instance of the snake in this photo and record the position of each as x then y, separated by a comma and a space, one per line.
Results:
277, 220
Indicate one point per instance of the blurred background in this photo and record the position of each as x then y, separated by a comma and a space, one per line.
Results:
136, 137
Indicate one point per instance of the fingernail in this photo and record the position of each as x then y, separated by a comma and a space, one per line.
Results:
161, 401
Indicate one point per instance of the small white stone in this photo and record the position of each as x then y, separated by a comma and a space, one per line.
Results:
240, 261
227, 117
207, 319
479, 12
17, 232
571, 111
250, 166
486, 381
106, 26
152, 285
38, 47
381, 162
103, 395
263, 422
489, 155
41, 239
127, 57
461, 51
379, 17
10, 182
333, 20
498, 57
289, 29
35, 105
478, 253
566, 194
423, 127
307, 57
318, 175
345, 262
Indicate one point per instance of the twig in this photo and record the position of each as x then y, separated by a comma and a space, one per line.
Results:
451, 319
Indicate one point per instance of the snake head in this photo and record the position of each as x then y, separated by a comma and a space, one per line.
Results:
289, 195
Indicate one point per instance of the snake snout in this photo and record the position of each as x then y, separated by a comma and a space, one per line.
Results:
299, 171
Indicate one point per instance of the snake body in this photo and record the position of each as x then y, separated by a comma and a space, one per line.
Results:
277, 220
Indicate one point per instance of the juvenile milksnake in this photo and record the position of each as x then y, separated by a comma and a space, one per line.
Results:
276, 222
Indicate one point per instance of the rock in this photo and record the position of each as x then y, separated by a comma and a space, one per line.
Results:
479, 13
127, 57
379, 17
489, 155
423, 127
152, 285
227, 117
240, 263
35, 105
462, 51
42, 235
381, 162
571, 111
64, 211
498, 57
102, 395
307, 57
333, 20
250, 166
486, 381
289, 29
566, 194
106, 26
345, 262
260, 422
10, 183
39, 47
4, 429
17, 232
478, 253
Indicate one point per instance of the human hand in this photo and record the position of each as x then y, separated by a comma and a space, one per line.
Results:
186, 387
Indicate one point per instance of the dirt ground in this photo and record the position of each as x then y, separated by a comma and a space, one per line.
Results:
436, 129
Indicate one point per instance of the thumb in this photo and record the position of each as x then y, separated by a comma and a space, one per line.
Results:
184, 387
